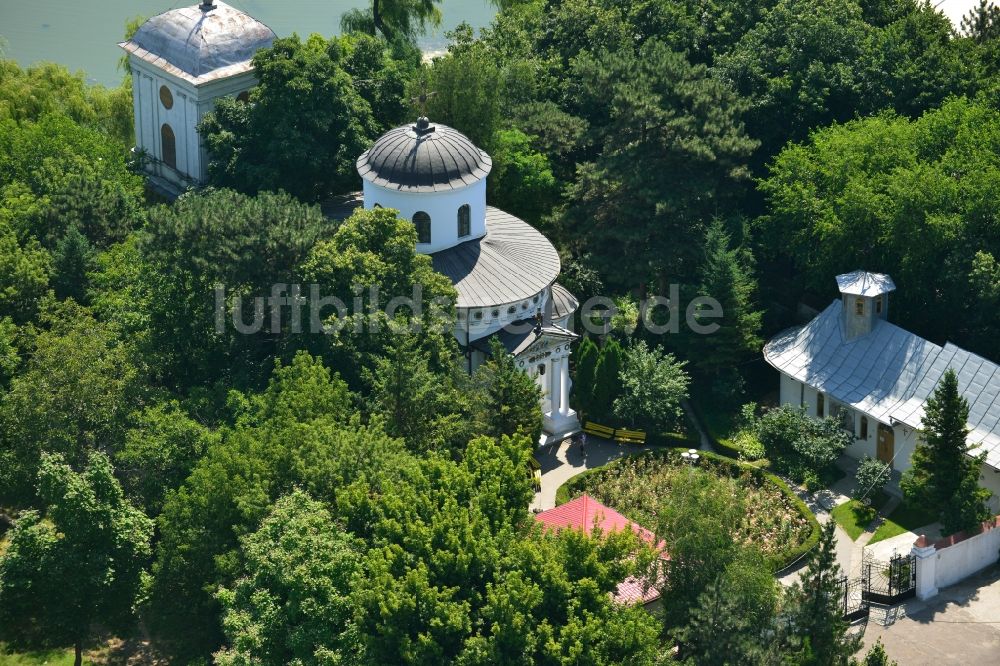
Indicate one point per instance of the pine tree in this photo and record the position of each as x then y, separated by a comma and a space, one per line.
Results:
815, 621
877, 656
507, 398
943, 476
72, 258
726, 276
583, 382
982, 23
607, 378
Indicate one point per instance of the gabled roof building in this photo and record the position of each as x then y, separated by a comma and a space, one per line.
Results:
852, 363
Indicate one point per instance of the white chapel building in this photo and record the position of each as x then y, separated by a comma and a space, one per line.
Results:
851, 363
182, 62
504, 270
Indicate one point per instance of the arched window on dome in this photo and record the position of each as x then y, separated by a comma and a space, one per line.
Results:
422, 221
464, 220
169, 145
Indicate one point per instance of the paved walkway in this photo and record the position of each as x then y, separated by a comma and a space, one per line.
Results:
563, 460
959, 626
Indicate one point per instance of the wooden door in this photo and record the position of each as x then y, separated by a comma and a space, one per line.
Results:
886, 443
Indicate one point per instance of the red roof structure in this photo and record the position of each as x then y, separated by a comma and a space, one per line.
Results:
585, 513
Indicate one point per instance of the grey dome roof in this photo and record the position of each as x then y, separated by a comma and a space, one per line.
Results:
424, 157
201, 42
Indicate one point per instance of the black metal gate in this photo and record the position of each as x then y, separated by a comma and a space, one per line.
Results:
891, 582
855, 603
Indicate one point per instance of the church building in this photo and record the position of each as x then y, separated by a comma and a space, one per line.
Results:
182, 61
503, 269
851, 363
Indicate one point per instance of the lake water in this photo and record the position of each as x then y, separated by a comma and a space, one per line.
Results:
83, 34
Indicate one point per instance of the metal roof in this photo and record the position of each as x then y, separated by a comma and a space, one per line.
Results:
889, 373
424, 157
200, 43
511, 263
863, 283
519, 336
563, 302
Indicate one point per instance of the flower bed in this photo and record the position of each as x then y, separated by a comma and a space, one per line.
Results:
777, 520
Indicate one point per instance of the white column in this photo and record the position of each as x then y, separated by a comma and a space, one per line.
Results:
564, 385
926, 561
555, 387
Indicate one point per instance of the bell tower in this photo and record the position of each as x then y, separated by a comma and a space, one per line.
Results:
865, 299
182, 61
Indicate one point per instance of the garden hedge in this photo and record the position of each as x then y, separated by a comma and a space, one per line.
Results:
779, 561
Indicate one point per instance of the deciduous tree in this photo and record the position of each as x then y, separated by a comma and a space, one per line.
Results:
75, 562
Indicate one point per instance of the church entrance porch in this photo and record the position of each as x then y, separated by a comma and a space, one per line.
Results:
546, 359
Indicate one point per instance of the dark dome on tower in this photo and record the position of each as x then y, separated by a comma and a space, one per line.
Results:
424, 157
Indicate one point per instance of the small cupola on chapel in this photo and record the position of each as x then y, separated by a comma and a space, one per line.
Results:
865, 298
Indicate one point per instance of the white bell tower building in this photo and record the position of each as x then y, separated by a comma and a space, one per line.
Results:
182, 61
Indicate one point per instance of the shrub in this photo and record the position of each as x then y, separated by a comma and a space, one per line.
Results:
871, 478
798, 443
653, 386
749, 446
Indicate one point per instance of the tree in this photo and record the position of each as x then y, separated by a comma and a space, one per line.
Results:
583, 382
73, 397
25, 269
76, 562
293, 602
982, 22
797, 443
862, 193
395, 20
521, 181
877, 656
816, 631
870, 479
672, 153
944, 476
72, 259
9, 357
734, 615
506, 401
607, 378
421, 406
303, 129
161, 447
653, 386
243, 244
696, 524
726, 275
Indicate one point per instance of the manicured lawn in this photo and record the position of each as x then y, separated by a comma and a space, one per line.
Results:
854, 516
904, 519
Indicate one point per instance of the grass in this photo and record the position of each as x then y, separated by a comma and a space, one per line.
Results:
854, 516
905, 518
57, 657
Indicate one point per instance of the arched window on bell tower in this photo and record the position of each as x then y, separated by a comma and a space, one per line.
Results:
169, 144
464, 220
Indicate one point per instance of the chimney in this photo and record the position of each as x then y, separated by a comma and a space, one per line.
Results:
865, 300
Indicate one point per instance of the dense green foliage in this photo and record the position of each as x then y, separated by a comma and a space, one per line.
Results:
799, 444
653, 384
75, 561
318, 105
354, 496
870, 479
944, 477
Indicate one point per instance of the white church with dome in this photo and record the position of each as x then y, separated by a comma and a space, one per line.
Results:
503, 269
